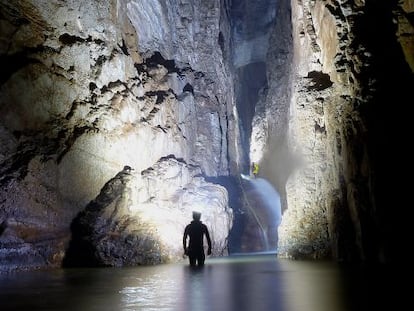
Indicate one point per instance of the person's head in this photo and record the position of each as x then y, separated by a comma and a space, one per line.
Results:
196, 215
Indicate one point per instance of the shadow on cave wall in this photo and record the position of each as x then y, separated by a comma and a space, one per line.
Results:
233, 186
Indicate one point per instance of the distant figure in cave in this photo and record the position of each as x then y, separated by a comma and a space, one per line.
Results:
196, 231
255, 169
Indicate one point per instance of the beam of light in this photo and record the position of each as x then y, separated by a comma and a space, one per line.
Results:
269, 200
253, 212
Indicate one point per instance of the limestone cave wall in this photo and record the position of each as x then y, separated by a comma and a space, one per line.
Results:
118, 118
352, 70
90, 88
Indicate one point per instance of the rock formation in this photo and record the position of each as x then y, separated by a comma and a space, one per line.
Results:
352, 63
117, 118
83, 95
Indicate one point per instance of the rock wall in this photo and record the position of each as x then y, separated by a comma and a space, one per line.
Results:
351, 62
128, 224
89, 89
114, 114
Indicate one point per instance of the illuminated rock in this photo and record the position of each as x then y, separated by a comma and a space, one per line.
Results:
139, 218
81, 98
86, 90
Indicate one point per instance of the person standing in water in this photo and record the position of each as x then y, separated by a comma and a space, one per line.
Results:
195, 232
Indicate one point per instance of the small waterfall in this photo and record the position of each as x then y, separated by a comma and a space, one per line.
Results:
264, 202
270, 197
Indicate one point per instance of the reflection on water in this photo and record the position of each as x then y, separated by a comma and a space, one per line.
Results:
260, 282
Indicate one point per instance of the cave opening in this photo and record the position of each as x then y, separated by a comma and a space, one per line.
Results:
258, 211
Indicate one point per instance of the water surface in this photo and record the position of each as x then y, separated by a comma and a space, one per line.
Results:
254, 282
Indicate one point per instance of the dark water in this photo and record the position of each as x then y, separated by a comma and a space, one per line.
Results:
234, 283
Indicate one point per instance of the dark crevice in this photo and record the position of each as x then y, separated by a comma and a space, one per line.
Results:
235, 193
12, 63
124, 48
161, 95
318, 81
70, 40
188, 88
155, 60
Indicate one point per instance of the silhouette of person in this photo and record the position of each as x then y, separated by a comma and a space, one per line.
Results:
196, 231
